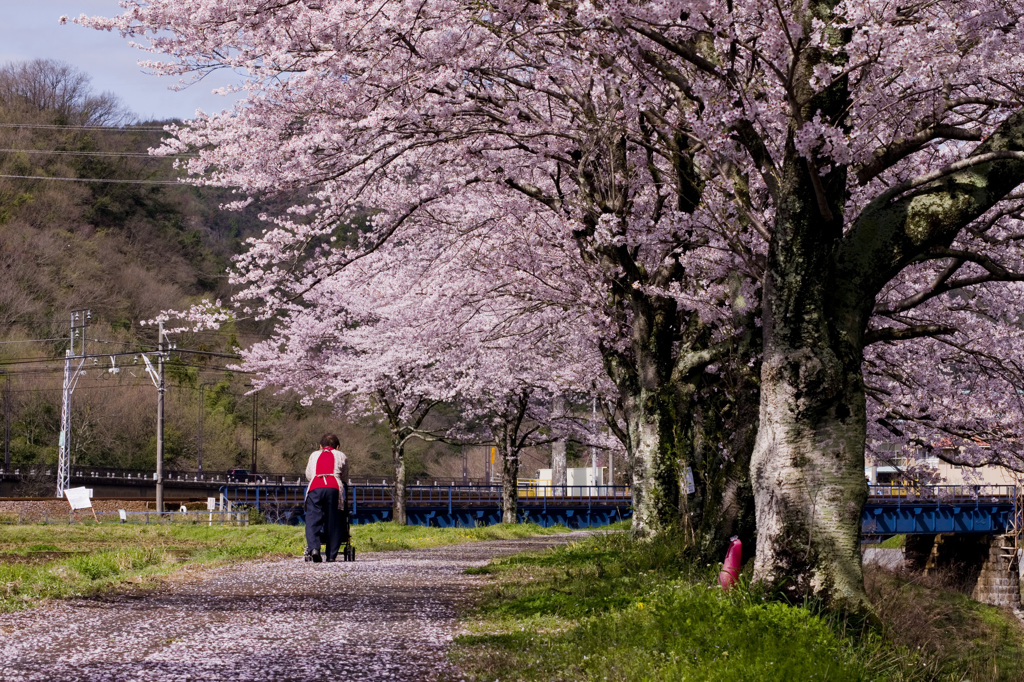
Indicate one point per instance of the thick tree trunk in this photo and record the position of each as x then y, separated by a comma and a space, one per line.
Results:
654, 422
398, 492
819, 292
807, 468
808, 475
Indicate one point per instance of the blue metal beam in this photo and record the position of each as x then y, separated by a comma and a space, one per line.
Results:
449, 506
889, 510
930, 510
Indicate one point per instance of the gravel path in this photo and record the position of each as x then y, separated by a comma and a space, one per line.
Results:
387, 616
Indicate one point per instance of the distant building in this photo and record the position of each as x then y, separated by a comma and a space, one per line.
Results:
898, 464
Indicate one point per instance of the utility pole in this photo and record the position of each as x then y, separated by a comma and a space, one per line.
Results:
255, 429
7, 421
76, 351
160, 390
611, 468
465, 466
202, 411
593, 451
558, 447
157, 375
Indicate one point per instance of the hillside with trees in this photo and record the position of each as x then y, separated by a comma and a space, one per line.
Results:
90, 220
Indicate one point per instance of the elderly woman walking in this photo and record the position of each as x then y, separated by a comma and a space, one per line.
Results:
327, 471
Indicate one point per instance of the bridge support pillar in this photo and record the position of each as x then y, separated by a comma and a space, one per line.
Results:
999, 581
916, 551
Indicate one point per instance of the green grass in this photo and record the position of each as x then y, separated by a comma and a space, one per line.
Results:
377, 537
961, 638
894, 542
608, 608
40, 562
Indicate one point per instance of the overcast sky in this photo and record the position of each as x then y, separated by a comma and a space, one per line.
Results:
30, 29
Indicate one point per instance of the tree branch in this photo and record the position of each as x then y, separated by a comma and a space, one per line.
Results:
894, 230
942, 284
683, 50
904, 333
945, 171
885, 157
689, 362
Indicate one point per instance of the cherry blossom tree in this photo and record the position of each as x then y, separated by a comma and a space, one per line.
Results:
820, 157
412, 326
511, 337
436, 110
350, 344
872, 136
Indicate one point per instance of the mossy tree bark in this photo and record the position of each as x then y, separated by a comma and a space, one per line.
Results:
659, 378
725, 427
656, 370
808, 463
642, 375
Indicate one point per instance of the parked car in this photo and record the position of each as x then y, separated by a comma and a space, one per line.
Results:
244, 476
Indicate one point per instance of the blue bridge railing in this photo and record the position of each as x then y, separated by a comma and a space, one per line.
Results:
451, 505
889, 510
933, 509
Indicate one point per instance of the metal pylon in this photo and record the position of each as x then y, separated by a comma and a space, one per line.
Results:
79, 321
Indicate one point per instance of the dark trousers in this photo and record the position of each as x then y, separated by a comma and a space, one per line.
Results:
324, 521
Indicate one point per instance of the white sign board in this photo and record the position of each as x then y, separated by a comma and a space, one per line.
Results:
211, 503
690, 487
78, 498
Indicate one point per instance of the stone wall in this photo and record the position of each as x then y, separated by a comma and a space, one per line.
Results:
984, 566
999, 581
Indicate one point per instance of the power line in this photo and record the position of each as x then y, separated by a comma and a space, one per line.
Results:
3, 343
118, 343
143, 383
29, 361
49, 371
50, 126
120, 354
74, 153
120, 182
233, 356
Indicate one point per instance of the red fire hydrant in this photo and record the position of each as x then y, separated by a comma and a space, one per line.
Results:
730, 572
